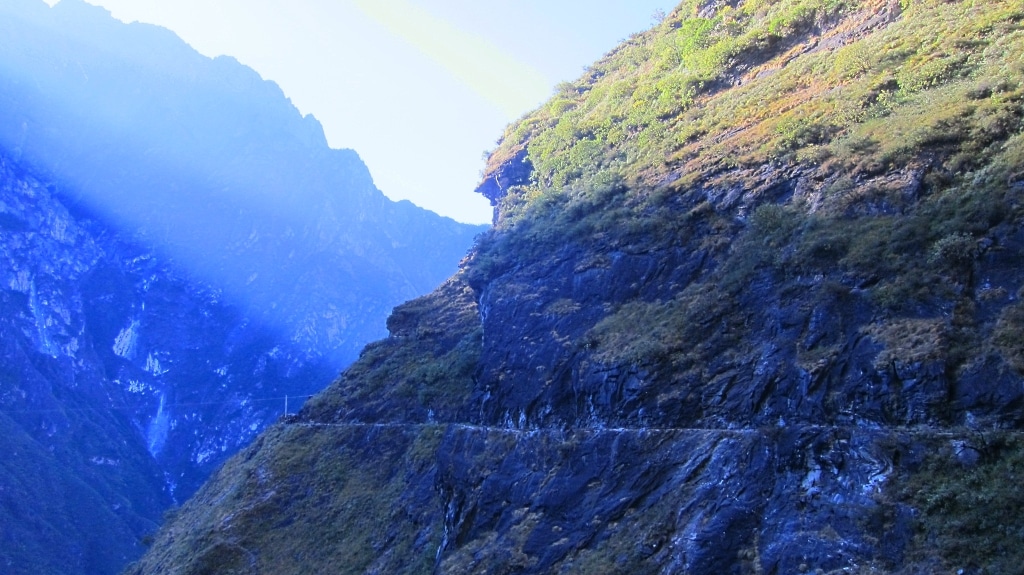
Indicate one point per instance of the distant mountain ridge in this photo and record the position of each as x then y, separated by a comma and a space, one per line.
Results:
210, 163
182, 252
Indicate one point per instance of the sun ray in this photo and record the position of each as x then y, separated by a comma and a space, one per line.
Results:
510, 85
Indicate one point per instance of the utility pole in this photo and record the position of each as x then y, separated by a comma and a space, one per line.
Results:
286, 405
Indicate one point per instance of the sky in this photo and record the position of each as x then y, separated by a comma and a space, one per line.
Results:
421, 89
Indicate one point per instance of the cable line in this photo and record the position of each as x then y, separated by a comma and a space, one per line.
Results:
284, 398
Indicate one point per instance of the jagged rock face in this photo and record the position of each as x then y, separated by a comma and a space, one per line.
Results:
125, 383
756, 309
78, 486
813, 349
202, 377
582, 501
513, 172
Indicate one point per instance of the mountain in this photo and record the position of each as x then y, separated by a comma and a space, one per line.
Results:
124, 385
212, 164
751, 304
181, 256
78, 488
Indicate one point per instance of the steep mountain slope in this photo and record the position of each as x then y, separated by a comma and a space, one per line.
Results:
124, 384
78, 488
751, 305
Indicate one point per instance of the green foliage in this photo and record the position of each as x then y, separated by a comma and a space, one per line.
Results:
971, 516
912, 248
442, 378
806, 155
710, 96
1009, 335
774, 223
628, 99
681, 333
955, 250
337, 482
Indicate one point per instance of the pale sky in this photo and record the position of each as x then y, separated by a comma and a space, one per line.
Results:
419, 88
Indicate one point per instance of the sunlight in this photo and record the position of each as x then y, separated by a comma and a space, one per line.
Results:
505, 82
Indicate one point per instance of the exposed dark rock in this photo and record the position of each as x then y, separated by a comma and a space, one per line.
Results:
513, 172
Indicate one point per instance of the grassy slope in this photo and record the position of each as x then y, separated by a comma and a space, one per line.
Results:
904, 123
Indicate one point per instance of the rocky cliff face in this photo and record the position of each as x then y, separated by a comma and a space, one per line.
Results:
125, 384
751, 305
75, 475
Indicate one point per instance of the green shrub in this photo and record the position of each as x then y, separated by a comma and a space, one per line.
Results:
971, 517
955, 250
1009, 335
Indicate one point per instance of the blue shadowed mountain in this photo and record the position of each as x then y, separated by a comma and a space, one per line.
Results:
180, 250
212, 165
